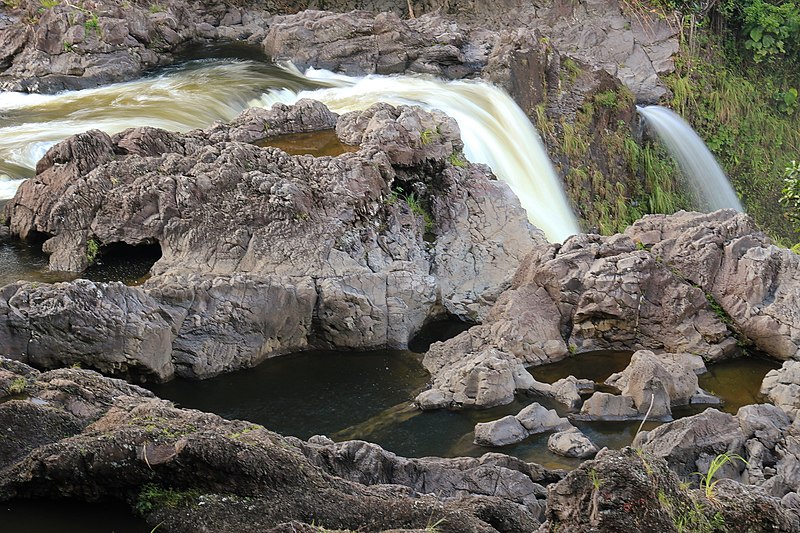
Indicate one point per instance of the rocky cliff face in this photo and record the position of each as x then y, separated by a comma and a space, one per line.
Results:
262, 253
689, 282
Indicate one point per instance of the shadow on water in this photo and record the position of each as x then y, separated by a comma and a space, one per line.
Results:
68, 516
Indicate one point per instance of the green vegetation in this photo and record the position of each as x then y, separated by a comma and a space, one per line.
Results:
457, 160
414, 205
707, 481
607, 99
67, 46
596, 482
92, 23
17, 386
690, 516
428, 135
791, 193
157, 8
48, 4
154, 496
92, 249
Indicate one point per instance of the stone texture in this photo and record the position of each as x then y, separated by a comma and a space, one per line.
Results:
782, 387
605, 406
502, 432
295, 251
245, 477
529, 421
571, 443
666, 380
689, 444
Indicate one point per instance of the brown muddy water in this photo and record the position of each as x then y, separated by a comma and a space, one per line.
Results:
315, 143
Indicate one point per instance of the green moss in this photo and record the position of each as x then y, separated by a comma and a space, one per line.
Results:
153, 497
18, 386
92, 250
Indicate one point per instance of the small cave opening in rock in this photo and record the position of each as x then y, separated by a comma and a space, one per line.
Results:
315, 143
124, 262
435, 331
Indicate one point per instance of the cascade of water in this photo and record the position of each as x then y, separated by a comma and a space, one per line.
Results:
694, 158
494, 129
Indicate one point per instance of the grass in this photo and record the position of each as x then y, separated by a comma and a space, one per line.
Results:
732, 105
48, 4
707, 481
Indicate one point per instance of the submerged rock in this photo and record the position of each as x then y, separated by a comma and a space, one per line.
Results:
265, 253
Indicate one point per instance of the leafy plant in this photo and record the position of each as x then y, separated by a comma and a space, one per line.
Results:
92, 23
92, 249
607, 99
787, 101
47, 4
707, 481
790, 197
456, 160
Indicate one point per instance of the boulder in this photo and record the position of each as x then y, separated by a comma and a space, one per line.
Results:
690, 444
237, 475
606, 406
666, 380
529, 421
782, 387
264, 253
566, 391
754, 282
764, 422
538, 419
633, 490
571, 443
502, 432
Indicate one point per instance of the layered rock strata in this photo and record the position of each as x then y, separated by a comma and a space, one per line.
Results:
263, 253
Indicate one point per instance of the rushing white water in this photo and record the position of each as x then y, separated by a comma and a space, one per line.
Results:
694, 158
494, 129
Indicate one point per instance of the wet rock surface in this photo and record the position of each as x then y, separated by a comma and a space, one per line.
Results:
262, 253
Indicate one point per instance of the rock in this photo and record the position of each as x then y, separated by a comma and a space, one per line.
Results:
764, 422
295, 252
117, 329
605, 406
631, 490
566, 391
507, 430
529, 421
571, 443
538, 419
139, 441
753, 281
782, 387
665, 379
596, 293
689, 444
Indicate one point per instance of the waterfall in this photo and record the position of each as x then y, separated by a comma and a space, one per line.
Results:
494, 129
694, 158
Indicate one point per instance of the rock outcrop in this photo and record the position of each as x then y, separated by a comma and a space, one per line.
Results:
263, 253
510, 429
632, 490
782, 387
592, 292
685, 283
756, 283
235, 475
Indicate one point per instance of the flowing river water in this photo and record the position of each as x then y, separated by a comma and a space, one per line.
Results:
344, 395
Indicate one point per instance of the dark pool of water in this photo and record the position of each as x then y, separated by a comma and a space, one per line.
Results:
439, 330
68, 516
25, 261
597, 366
316, 143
